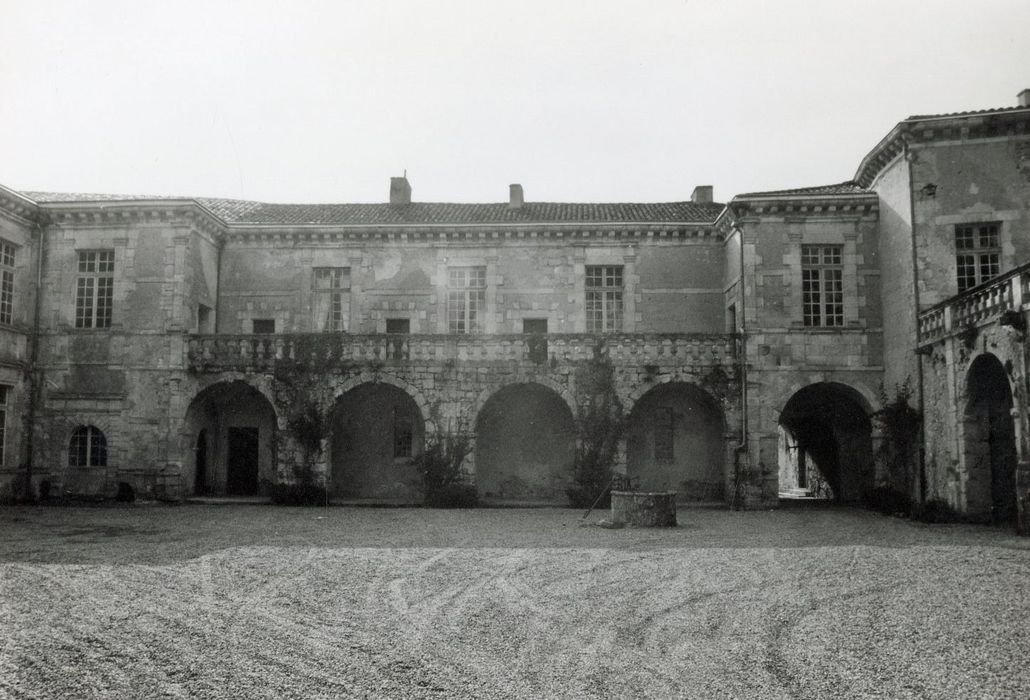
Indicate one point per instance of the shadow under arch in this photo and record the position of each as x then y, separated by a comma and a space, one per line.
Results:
525, 444
675, 440
230, 432
377, 430
989, 441
825, 443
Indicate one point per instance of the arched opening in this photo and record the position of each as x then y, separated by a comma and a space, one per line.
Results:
990, 441
674, 442
87, 447
231, 427
200, 458
525, 445
825, 444
377, 431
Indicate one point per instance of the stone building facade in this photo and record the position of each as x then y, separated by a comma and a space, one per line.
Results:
182, 345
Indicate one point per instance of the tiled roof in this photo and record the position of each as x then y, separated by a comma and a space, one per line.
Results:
841, 188
975, 112
235, 211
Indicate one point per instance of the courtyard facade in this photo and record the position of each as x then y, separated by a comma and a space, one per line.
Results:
749, 348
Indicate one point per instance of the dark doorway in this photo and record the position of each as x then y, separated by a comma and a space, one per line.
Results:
825, 444
990, 441
242, 462
200, 478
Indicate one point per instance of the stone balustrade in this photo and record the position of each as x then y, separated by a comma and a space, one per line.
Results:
978, 306
251, 352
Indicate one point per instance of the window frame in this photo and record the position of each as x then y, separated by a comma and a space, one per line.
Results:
5, 392
89, 443
977, 254
822, 285
604, 298
336, 298
466, 299
94, 288
8, 258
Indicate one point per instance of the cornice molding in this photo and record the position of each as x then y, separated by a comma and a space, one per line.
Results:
18, 206
860, 205
933, 129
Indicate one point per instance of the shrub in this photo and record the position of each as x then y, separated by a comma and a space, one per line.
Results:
601, 424
935, 511
888, 501
300, 494
453, 496
443, 476
125, 493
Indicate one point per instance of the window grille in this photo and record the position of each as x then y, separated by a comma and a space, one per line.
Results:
822, 285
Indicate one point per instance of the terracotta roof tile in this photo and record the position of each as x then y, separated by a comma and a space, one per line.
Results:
841, 188
235, 211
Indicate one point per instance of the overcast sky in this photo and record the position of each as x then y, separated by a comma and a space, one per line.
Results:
577, 100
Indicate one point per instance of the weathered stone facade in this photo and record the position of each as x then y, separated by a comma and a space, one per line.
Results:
226, 347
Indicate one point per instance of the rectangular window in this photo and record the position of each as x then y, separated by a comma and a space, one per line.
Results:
977, 254
604, 298
204, 319
6, 282
263, 326
663, 434
4, 390
822, 285
94, 289
398, 325
466, 299
403, 433
330, 303
536, 329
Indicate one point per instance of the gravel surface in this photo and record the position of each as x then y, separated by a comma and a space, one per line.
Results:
251, 601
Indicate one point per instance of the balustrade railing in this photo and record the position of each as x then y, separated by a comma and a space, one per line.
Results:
980, 305
326, 350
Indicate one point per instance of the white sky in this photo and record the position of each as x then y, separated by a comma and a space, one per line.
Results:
579, 100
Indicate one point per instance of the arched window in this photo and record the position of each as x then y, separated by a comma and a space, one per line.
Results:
88, 447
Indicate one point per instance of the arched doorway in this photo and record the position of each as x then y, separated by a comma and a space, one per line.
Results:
377, 431
200, 459
525, 445
231, 428
674, 441
990, 442
826, 447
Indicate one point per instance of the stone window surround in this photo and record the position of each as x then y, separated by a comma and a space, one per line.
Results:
74, 287
946, 223
8, 257
849, 261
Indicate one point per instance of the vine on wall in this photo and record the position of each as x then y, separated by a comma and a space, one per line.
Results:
601, 424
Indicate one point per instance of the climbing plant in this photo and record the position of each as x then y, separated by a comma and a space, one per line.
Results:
899, 425
601, 424
308, 425
441, 465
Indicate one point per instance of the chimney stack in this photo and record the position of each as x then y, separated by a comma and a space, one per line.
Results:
702, 194
1024, 98
400, 190
515, 198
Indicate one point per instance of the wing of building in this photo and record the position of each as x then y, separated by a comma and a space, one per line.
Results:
740, 353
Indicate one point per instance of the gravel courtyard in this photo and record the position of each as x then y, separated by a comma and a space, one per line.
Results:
258, 601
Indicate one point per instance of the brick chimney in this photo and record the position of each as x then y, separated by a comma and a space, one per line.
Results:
515, 198
400, 190
702, 194
1024, 98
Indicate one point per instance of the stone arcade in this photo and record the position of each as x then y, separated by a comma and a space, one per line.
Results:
171, 343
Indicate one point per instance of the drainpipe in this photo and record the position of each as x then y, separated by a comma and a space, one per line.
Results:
919, 357
35, 381
740, 450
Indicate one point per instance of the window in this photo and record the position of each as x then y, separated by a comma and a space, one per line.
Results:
265, 326
94, 289
330, 301
6, 281
466, 299
403, 433
88, 447
822, 285
977, 254
204, 319
663, 434
536, 329
398, 325
604, 298
4, 391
